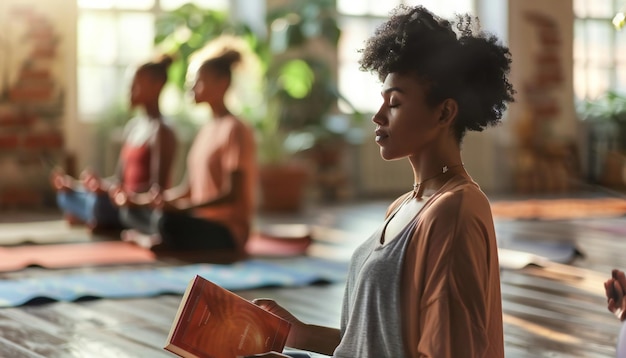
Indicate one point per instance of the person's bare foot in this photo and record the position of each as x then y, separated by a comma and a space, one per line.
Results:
139, 239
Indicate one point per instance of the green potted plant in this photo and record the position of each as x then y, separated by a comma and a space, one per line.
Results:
303, 120
606, 118
282, 178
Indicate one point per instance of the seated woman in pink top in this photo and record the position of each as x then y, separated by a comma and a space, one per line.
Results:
147, 154
214, 205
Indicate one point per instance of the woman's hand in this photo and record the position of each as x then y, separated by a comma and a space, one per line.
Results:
303, 336
615, 289
159, 201
118, 196
61, 181
92, 181
297, 327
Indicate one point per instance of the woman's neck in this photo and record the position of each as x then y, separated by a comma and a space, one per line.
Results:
432, 170
219, 110
152, 110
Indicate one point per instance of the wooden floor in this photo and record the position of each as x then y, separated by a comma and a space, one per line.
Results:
557, 311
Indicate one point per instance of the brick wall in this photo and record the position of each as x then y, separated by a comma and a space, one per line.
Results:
31, 108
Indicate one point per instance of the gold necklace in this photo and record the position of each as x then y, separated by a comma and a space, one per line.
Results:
418, 189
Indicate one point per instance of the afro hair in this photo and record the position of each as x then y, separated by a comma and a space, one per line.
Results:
455, 58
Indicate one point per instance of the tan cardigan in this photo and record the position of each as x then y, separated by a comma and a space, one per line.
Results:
451, 281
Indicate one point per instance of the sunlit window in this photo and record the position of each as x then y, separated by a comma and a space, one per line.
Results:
116, 4
599, 49
358, 21
114, 36
167, 5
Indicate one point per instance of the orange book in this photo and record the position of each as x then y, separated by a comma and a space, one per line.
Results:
213, 322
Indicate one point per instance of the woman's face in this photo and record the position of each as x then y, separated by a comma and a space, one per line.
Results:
144, 89
405, 124
208, 87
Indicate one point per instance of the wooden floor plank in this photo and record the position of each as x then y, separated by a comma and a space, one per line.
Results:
66, 330
11, 349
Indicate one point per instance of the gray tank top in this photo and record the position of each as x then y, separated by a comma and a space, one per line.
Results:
371, 324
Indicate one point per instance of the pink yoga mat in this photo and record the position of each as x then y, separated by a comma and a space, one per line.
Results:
260, 244
73, 255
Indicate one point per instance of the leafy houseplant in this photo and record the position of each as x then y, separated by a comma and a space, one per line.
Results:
301, 88
301, 73
607, 122
609, 109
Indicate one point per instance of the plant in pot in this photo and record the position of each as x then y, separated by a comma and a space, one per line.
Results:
283, 175
606, 117
303, 132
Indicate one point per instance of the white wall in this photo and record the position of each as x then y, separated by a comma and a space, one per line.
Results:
523, 39
64, 15
489, 156
38, 53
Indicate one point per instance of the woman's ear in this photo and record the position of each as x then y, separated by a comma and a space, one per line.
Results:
449, 111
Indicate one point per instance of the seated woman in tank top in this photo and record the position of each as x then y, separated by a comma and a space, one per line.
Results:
145, 160
426, 283
213, 207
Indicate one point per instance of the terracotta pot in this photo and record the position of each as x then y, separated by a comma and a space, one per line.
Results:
612, 175
283, 187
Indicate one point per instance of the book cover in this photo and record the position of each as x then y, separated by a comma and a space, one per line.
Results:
213, 322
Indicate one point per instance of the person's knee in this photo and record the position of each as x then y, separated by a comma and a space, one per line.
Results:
68, 203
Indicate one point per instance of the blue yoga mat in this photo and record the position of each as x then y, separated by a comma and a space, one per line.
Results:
249, 274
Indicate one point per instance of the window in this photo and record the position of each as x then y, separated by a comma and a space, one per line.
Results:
113, 37
599, 60
358, 20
